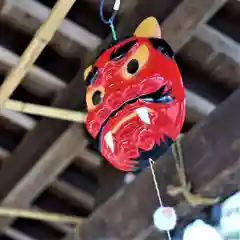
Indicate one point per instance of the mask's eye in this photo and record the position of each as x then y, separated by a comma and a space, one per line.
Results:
136, 62
97, 97
132, 66
94, 97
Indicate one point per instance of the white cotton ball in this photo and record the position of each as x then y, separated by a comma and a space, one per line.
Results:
165, 218
230, 203
230, 218
198, 230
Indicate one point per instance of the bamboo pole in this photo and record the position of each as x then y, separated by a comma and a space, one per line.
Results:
36, 215
45, 111
34, 49
43, 216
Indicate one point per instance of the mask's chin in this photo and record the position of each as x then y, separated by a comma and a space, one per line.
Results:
154, 153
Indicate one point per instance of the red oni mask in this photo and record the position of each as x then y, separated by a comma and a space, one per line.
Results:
135, 99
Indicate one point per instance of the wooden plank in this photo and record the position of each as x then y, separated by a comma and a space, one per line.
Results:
44, 172
19, 119
16, 234
179, 27
211, 156
221, 68
215, 53
37, 81
197, 107
74, 194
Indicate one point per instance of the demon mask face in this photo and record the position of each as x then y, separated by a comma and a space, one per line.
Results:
135, 98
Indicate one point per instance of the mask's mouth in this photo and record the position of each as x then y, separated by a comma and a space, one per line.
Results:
159, 96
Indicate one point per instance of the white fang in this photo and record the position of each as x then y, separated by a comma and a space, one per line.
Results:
143, 114
109, 140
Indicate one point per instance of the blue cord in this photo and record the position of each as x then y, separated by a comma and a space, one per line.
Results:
113, 31
109, 21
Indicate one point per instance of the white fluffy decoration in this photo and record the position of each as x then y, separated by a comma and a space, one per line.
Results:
165, 218
230, 218
198, 230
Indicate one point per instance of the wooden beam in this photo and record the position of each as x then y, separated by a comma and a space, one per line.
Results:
64, 188
16, 234
219, 42
15, 12
211, 156
213, 52
220, 67
74, 194
19, 119
179, 27
197, 107
37, 81
44, 172
40, 138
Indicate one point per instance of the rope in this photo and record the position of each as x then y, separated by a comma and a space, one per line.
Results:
151, 162
111, 19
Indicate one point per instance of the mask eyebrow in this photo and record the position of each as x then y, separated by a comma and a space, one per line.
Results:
162, 46
122, 51
92, 76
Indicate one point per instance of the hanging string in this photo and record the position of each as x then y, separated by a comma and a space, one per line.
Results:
111, 19
151, 162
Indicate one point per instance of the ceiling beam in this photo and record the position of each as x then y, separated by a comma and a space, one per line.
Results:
16, 12
211, 158
44, 172
213, 52
197, 107
36, 142
180, 26
218, 41
62, 187
21, 120
74, 194
16, 234
37, 81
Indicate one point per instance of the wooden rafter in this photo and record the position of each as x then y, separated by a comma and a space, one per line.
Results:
40, 138
41, 38
215, 53
41, 175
